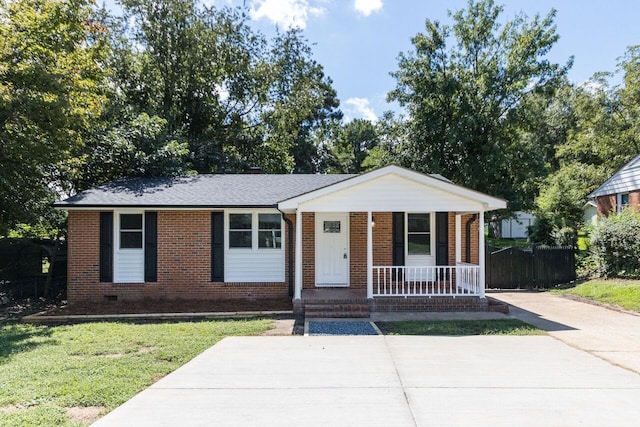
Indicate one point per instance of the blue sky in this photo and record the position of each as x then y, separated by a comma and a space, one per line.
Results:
358, 41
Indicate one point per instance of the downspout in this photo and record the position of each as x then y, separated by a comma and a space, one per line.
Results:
289, 249
467, 228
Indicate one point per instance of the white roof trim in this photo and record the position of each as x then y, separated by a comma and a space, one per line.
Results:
490, 203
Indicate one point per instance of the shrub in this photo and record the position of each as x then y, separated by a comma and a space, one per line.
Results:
565, 236
615, 244
540, 232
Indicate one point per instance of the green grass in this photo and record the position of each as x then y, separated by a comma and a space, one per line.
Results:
45, 370
508, 243
623, 293
459, 327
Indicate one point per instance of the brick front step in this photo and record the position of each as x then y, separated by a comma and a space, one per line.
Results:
320, 310
497, 306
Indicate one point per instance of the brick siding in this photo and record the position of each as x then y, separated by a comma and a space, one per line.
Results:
184, 263
609, 203
184, 257
606, 204
474, 238
358, 250
308, 250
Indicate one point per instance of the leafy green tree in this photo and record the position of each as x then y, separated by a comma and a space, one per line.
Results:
350, 146
51, 74
238, 99
603, 137
465, 100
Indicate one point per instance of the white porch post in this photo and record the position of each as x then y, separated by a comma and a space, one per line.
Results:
369, 257
481, 252
298, 262
458, 239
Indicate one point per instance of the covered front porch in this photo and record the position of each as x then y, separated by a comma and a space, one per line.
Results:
406, 241
376, 271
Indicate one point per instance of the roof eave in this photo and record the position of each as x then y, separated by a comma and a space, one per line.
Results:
63, 206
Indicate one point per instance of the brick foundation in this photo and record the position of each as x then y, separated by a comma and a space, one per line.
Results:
384, 305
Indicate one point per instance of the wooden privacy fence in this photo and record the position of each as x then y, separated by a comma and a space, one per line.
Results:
539, 267
24, 268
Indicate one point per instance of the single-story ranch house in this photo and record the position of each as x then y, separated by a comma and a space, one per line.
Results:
620, 191
390, 239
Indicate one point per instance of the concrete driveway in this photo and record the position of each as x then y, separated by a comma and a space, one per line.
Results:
388, 381
611, 335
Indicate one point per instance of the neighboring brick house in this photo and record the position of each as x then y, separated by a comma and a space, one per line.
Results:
620, 191
393, 238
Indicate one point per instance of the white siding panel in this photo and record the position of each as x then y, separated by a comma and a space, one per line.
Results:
129, 266
391, 193
254, 266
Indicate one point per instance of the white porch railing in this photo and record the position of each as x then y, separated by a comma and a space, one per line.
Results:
463, 279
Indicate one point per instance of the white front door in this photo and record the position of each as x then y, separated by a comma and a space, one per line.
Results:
332, 249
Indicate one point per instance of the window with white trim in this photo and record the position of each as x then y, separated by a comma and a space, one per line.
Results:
419, 234
240, 234
269, 230
623, 201
255, 230
130, 231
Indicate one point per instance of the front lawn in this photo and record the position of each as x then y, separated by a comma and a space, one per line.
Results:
623, 293
70, 375
459, 327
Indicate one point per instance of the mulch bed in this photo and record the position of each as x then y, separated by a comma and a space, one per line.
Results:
171, 306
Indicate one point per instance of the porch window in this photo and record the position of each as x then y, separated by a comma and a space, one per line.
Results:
269, 231
240, 230
130, 231
419, 234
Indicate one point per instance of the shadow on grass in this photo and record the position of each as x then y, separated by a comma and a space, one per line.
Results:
17, 337
459, 327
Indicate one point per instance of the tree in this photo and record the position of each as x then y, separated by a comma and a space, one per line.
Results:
604, 136
51, 74
350, 145
238, 99
466, 101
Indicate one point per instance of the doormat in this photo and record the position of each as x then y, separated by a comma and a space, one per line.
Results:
342, 328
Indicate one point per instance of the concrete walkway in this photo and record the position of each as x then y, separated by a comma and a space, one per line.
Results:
388, 381
611, 335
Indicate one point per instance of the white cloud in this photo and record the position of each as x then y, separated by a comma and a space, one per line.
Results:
367, 7
359, 107
288, 13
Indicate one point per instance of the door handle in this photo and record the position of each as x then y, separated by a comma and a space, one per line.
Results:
344, 255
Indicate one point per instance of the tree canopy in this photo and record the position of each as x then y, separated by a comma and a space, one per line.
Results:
178, 87
465, 86
51, 76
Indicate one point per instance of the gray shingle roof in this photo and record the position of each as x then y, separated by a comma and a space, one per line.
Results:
201, 191
625, 180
